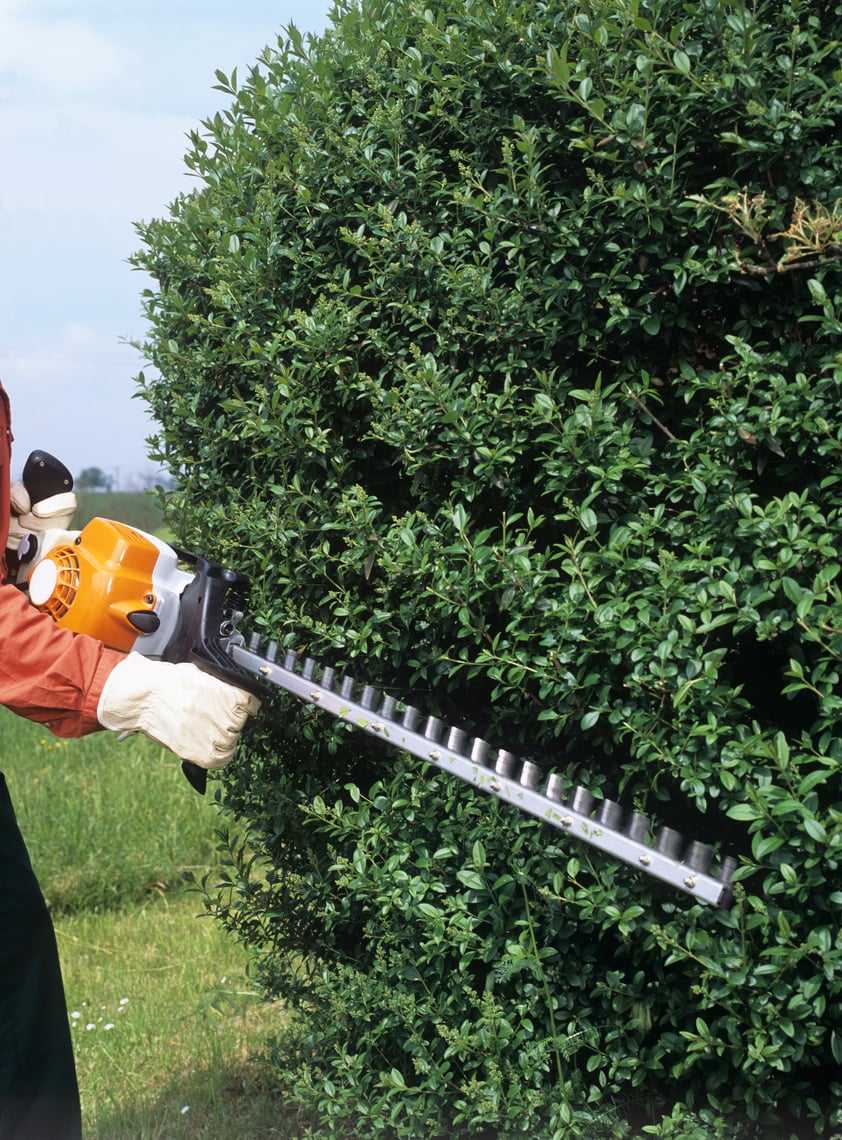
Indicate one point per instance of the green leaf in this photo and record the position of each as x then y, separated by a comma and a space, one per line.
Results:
557, 63
812, 780
792, 589
682, 62
744, 812
815, 829
817, 290
588, 519
763, 845
743, 503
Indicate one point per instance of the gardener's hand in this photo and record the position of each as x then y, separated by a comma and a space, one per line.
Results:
29, 521
191, 713
54, 513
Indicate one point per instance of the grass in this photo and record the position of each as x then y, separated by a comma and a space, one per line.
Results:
163, 1016
164, 1024
136, 508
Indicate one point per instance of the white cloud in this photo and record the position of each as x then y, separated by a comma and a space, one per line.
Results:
91, 162
55, 55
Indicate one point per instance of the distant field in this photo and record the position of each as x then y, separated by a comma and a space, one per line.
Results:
136, 508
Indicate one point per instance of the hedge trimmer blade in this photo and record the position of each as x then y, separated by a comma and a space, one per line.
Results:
603, 824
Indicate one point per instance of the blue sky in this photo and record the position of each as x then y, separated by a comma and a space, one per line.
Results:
96, 100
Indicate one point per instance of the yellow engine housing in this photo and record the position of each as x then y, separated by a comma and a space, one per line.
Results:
112, 582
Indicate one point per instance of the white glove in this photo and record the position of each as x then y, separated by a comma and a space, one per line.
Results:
55, 513
191, 713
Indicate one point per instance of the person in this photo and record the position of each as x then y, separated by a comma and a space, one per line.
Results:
73, 685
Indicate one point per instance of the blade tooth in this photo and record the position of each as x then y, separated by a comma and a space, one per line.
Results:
581, 800
698, 856
610, 814
290, 658
308, 668
346, 688
555, 787
530, 774
387, 709
369, 697
328, 677
456, 740
638, 827
505, 762
479, 751
433, 729
669, 842
254, 642
411, 717
727, 868
272, 651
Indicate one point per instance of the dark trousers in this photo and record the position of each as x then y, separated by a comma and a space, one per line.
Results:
39, 1097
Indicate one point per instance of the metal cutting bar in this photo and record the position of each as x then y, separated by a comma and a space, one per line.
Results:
499, 773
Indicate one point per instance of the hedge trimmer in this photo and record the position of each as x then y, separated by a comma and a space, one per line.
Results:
131, 591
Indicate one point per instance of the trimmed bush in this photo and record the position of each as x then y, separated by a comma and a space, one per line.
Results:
499, 344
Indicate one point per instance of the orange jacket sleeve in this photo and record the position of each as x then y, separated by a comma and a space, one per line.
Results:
48, 674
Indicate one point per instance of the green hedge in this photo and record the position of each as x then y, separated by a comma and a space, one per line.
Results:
498, 342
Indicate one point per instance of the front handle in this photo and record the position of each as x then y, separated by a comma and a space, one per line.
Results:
205, 623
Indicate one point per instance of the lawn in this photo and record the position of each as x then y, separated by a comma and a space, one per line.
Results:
164, 1019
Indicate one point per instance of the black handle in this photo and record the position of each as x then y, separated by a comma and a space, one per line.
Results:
45, 476
206, 618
